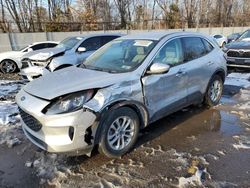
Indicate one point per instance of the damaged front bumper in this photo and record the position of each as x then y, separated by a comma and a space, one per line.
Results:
33, 72
61, 133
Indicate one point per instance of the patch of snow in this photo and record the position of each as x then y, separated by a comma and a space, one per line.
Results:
243, 142
238, 79
8, 113
221, 152
194, 180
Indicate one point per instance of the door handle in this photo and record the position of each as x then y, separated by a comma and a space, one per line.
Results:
180, 73
210, 63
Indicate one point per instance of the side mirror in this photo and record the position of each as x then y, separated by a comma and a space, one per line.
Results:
158, 68
30, 50
81, 49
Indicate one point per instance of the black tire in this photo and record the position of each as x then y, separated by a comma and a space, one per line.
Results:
8, 66
208, 99
104, 145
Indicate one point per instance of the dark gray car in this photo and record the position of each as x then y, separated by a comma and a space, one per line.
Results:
238, 52
71, 51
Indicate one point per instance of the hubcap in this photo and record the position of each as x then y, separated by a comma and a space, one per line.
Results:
121, 132
8, 66
215, 90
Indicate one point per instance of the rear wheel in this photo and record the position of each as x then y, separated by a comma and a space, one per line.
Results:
8, 66
120, 132
214, 91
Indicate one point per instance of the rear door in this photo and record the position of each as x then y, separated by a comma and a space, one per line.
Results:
166, 93
200, 66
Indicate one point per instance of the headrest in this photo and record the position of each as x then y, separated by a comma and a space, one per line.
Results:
140, 51
170, 52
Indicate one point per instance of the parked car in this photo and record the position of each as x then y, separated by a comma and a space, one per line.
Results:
233, 37
238, 52
221, 40
71, 51
124, 86
11, 61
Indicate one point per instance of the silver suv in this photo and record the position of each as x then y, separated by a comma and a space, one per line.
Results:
70, 51
124, 86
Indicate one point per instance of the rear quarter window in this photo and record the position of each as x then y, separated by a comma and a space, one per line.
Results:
193, 48
207, 45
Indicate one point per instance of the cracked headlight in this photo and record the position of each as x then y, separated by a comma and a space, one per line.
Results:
69, 103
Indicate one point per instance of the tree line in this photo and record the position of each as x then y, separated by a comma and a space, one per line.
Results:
75, 15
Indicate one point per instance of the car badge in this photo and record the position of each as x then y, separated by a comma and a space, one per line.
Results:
241, 52
22, 98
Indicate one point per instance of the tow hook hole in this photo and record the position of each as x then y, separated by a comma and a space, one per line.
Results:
71, 132
88, 136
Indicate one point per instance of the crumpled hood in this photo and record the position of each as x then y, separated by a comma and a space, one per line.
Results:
44, 54
71, 80
245, 44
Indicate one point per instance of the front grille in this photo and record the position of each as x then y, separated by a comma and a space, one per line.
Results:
239, 53
30, 121
36, 140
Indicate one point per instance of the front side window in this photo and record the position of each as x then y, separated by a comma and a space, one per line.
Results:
106, 39
120, 55
193, 48
92, 43
171, 53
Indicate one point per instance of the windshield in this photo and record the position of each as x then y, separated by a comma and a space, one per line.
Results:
69, 43
245, 35
120, 55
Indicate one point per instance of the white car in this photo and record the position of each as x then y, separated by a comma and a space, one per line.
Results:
11, 61
221, 40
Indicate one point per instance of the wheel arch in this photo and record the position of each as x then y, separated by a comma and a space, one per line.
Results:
221, 73
139, 109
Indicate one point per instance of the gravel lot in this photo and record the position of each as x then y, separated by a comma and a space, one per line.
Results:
195, 147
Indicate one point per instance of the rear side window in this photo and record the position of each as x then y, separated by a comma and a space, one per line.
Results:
217, 36
106, 39
207, 45
39, 46
193, 48
92, 43
51, 45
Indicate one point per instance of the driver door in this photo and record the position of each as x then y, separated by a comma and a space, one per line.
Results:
167, 92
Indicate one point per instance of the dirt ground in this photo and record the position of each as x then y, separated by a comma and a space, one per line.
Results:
194, 147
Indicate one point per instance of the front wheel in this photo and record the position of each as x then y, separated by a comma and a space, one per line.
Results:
120, 132
8, 66
214, 91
